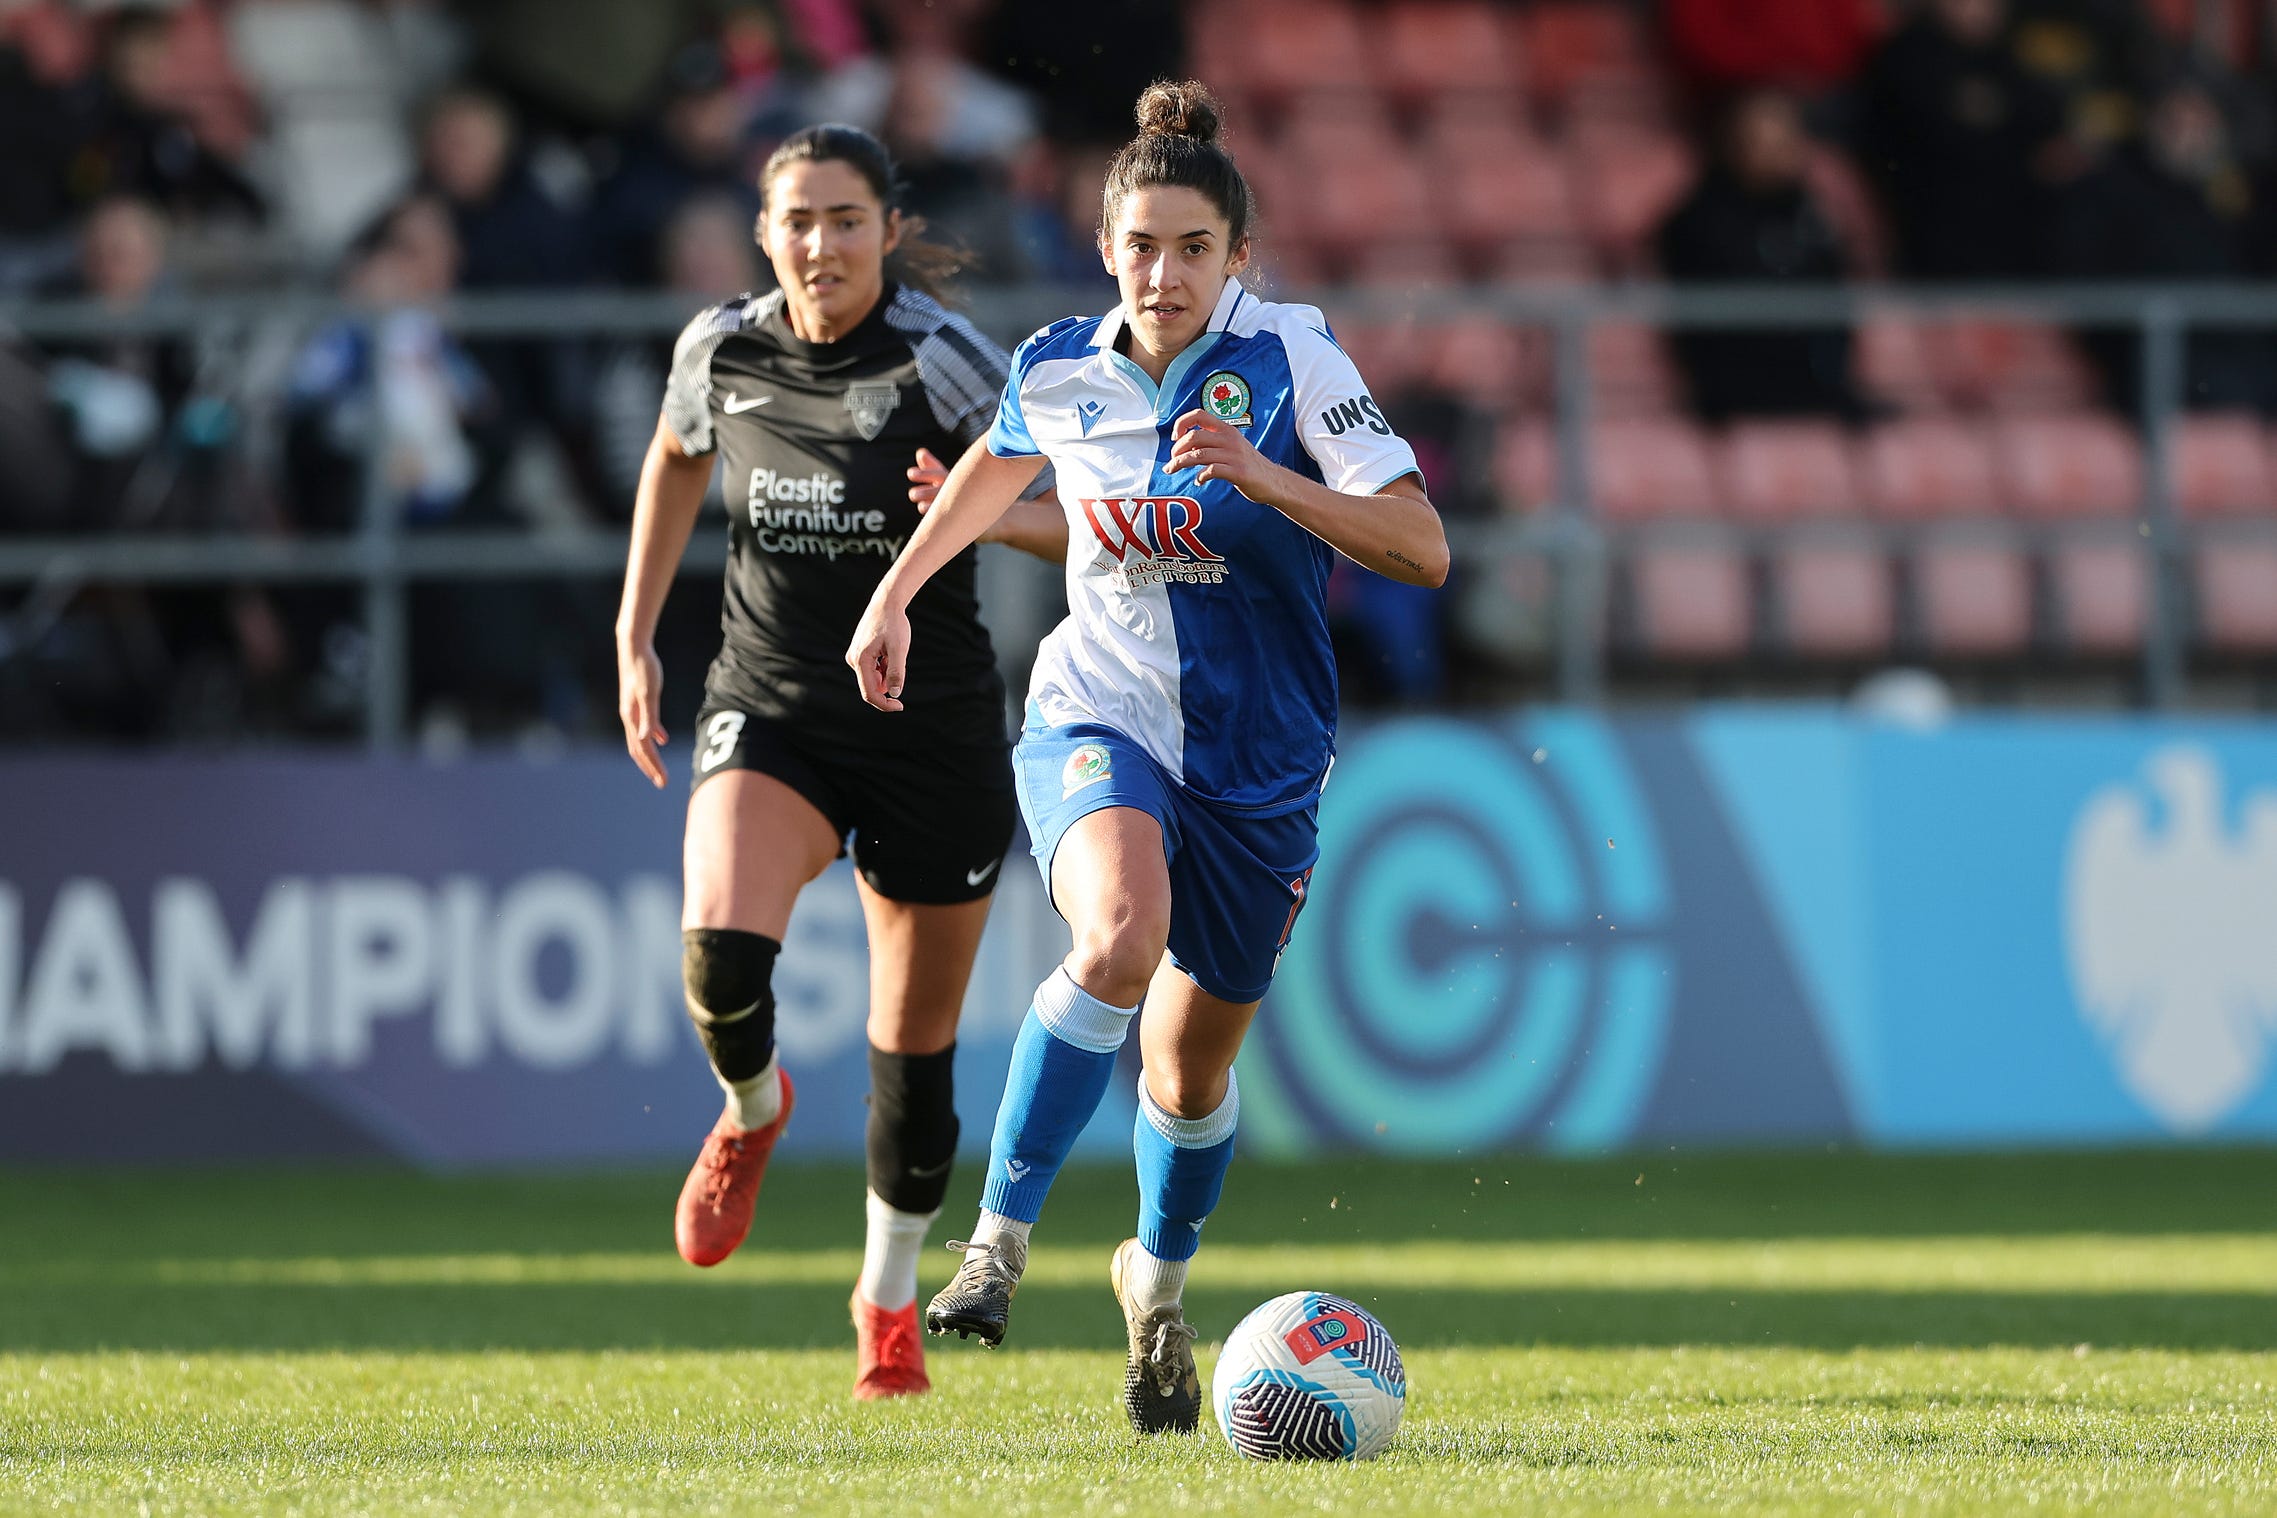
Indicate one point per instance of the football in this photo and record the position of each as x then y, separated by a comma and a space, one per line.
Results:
1309, 1376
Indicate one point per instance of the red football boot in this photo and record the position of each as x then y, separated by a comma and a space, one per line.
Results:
889, 1359
714, 1213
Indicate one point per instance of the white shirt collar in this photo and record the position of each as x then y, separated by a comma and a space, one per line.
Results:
1229, 301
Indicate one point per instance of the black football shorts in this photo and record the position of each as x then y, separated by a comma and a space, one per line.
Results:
928, 824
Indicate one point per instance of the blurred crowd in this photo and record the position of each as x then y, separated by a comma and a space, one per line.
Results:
397, 151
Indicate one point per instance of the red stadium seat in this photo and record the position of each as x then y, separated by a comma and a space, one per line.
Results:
1541, 261
1494, 366
1326, 125
1835, 599
2102, 595
1778, 470
1626, 183
1975, 599
1926, 467
1351, 200
1431, 47
1389, 355
1649, 468
1282, 48
2008, 366
1891, 363
1571, 46
1691, 602
2076, 465
2222, 467
2237, 596
1526, 465
1407, 264
1519, 199
1629, 371
1459, 127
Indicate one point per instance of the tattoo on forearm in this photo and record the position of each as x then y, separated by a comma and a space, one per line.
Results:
1397, 557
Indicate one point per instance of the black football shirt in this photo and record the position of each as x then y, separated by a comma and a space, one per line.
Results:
814, 439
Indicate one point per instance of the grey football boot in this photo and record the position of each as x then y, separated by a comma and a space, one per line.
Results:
978, 1301
1162, 1391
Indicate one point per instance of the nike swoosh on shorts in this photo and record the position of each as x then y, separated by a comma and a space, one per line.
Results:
975, 877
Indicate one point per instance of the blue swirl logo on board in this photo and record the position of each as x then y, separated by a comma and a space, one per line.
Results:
1481, 960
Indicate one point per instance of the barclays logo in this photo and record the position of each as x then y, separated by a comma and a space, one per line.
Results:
2167, 909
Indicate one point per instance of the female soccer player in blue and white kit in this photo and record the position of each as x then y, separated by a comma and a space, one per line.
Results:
1213, 452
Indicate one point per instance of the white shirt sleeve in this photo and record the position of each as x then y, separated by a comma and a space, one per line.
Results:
1338, 422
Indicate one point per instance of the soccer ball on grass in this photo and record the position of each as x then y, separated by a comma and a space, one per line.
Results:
1309, 1376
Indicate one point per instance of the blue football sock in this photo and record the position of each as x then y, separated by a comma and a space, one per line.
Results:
1061, 1063
1181, 1169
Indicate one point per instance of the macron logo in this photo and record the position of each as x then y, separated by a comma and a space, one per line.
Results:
1089, 411
1015, 1171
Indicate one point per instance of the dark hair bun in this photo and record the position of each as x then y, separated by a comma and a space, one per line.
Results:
1180, 108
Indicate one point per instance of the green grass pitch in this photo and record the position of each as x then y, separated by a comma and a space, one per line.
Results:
1743, 1334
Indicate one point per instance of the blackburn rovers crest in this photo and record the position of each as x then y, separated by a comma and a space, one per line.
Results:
1225, 395
871, 402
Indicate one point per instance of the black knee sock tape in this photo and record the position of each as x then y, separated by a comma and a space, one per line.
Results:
729, 978
912, 1134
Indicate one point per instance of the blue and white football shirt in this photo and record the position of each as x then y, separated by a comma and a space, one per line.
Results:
1197, 622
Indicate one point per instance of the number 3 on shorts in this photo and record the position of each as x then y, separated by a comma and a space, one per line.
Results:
723, 731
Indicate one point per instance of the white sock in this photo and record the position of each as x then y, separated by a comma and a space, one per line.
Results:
1152, 1282
756, 1102
889, 1254
1009, 1235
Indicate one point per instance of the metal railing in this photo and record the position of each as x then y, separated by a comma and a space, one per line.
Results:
383, 560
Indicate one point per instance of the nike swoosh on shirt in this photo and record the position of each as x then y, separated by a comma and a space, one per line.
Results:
975, 877
735, 405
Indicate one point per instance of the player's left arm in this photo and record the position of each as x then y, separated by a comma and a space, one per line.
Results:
1394, 530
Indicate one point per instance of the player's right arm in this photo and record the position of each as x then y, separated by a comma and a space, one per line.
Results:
978, 491
671, 494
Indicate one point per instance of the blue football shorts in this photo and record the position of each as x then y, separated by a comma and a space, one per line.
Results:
1237, 881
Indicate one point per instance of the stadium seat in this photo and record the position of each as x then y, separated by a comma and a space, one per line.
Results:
1351, 199
2237, 596
1494, 366
1525, 464
1921, 468
1389, 355
1974, 598
1651, 468
1283, 48
1407, 264
1835, 599
1326, 125
1890, 361
1576, 48
1626, 183
2007, 366
1460, 127
1779, 470
1434, 47
1540, 261
2102, 595
1630, 374
2222, 467
1524, 198
1691, 602
2077, 465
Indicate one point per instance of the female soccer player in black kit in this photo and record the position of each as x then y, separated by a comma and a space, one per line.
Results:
835, 401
